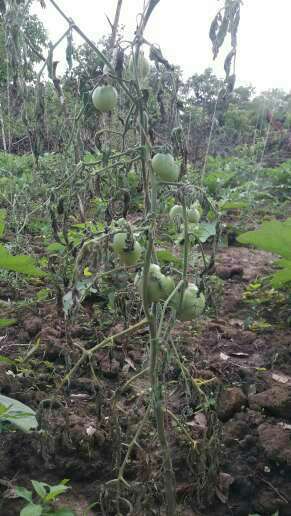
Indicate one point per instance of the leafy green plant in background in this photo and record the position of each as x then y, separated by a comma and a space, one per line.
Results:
21, 263
275, 237
46, 496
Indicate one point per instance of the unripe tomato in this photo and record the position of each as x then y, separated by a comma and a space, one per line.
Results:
165, 167
104, 98
143, 68
126, 255
192, 305
168, 286
193, 215
155, 269
159, 286
176, 212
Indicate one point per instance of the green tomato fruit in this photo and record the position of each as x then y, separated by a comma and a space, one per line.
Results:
192, 305
159, 286
104, 98
143, 68
176, 212
168, 286
127, 255
165, 167
155, 270
193, 215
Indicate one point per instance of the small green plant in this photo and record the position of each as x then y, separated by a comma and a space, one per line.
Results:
275, 237
46, 496
16, 414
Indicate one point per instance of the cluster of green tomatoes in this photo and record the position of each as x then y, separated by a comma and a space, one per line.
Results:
159, 286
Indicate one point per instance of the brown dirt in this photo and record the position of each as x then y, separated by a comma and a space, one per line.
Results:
237, 410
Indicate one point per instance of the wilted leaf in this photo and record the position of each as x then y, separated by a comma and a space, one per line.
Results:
281, 378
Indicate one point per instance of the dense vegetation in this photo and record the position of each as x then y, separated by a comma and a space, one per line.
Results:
144, 349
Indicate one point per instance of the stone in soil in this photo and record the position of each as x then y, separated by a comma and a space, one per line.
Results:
275, 401
32, 326
276, 442
231, 401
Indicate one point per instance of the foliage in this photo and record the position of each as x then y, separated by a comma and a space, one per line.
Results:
90, 184
20, 263
46, 495
17, 414
275, 237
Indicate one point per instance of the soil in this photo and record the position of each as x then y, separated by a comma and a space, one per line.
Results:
230, 441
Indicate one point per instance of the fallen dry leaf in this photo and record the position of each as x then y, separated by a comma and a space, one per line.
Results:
282, 378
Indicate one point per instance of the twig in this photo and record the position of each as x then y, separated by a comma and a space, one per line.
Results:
120, 478
274, 489
108, 341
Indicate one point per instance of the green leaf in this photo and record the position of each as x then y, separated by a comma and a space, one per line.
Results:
3, 410
279, 278
233, 205
282, 263
6, 360
206, 230
166, 256
64, 512
31, 510
273, 236
19, 414
56, 247
5, 323
40, 488
21, 263
43, 294
21, 492
55, 491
